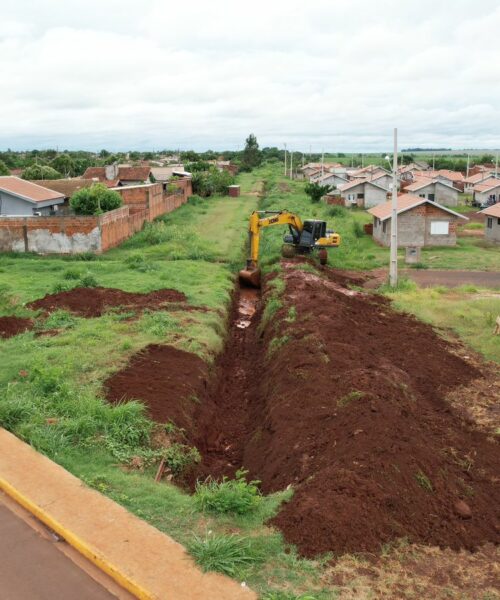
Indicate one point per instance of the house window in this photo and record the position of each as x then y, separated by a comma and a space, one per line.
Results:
361, 195
498, 221
489, 223
422, 195
384, 226
440, 227
431, 197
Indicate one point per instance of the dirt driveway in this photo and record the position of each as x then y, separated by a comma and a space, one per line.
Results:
430, 277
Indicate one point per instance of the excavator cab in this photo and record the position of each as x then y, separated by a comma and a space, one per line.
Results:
306, 239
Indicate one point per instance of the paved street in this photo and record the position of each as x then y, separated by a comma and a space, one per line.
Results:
33, 568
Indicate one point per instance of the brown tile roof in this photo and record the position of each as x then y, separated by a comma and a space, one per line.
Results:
406, 202
95, 173
492, 211
28, 190
134, 173
359, 181
451, 175
67, 187
477, 178
487, 184
419, 182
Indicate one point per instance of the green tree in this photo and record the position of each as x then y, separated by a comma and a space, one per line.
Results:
37, 171
4, 169
251, 156
95, 200
64, 164
315, 191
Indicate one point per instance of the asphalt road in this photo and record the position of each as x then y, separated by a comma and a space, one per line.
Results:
32, 567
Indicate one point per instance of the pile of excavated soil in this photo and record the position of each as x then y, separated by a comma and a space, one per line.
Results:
169, 381
10, 326
353, 415
94, 301
346, 403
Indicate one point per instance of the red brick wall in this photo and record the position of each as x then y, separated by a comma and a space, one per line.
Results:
115, 227
141, 203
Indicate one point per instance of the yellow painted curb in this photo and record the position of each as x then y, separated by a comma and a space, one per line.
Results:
82, 547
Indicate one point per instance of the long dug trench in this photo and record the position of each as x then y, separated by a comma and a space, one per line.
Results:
344, 399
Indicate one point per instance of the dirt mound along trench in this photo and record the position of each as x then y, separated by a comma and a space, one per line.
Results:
94, 301
353, 414
351, 411
11, 326
169, 381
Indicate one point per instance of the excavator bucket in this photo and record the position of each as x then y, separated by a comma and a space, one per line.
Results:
250, 277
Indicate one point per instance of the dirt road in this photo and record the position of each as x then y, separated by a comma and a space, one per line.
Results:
430, 277
33, 568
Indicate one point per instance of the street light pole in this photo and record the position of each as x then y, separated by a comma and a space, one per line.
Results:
291, 164
393, 269
285, 159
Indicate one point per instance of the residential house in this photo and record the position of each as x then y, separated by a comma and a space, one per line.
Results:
421, 222
492, 224
383, 179
67, 187
454, 178
487, 192
331, 179
434, 190
363, 193
161, 174
24, 198
115, 175
472, 180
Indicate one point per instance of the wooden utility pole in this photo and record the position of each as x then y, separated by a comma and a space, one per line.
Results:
393, 268
285, 159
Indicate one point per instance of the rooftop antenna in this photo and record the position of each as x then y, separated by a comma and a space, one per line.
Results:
496, 166
467, 172
322, 162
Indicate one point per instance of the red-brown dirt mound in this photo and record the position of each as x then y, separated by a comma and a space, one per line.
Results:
347, 403
94, 301
10, 326
357, 399
351, 411
168, 380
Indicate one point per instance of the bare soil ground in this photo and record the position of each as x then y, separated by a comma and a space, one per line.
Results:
94, 301
10, 326
348, 404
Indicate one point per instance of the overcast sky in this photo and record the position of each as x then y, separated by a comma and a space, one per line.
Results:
333, 74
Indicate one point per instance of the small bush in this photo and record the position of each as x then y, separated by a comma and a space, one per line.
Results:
227, 554
419, 265
72, 274
88, 280
357, 229
95, 200
337, 211
228, 496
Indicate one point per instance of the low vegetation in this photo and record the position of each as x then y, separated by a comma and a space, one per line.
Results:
95, 200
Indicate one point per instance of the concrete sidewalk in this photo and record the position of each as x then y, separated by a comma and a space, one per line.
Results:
143, 560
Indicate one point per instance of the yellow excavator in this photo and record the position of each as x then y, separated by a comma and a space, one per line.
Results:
304, 237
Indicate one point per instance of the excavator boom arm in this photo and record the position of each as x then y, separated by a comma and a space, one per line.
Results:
258, 221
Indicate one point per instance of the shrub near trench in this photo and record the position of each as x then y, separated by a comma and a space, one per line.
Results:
236, 496
95, 200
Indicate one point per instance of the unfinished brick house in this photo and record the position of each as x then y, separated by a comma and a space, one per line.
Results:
421, 222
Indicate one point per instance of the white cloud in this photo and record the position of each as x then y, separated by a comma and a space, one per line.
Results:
338, 75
